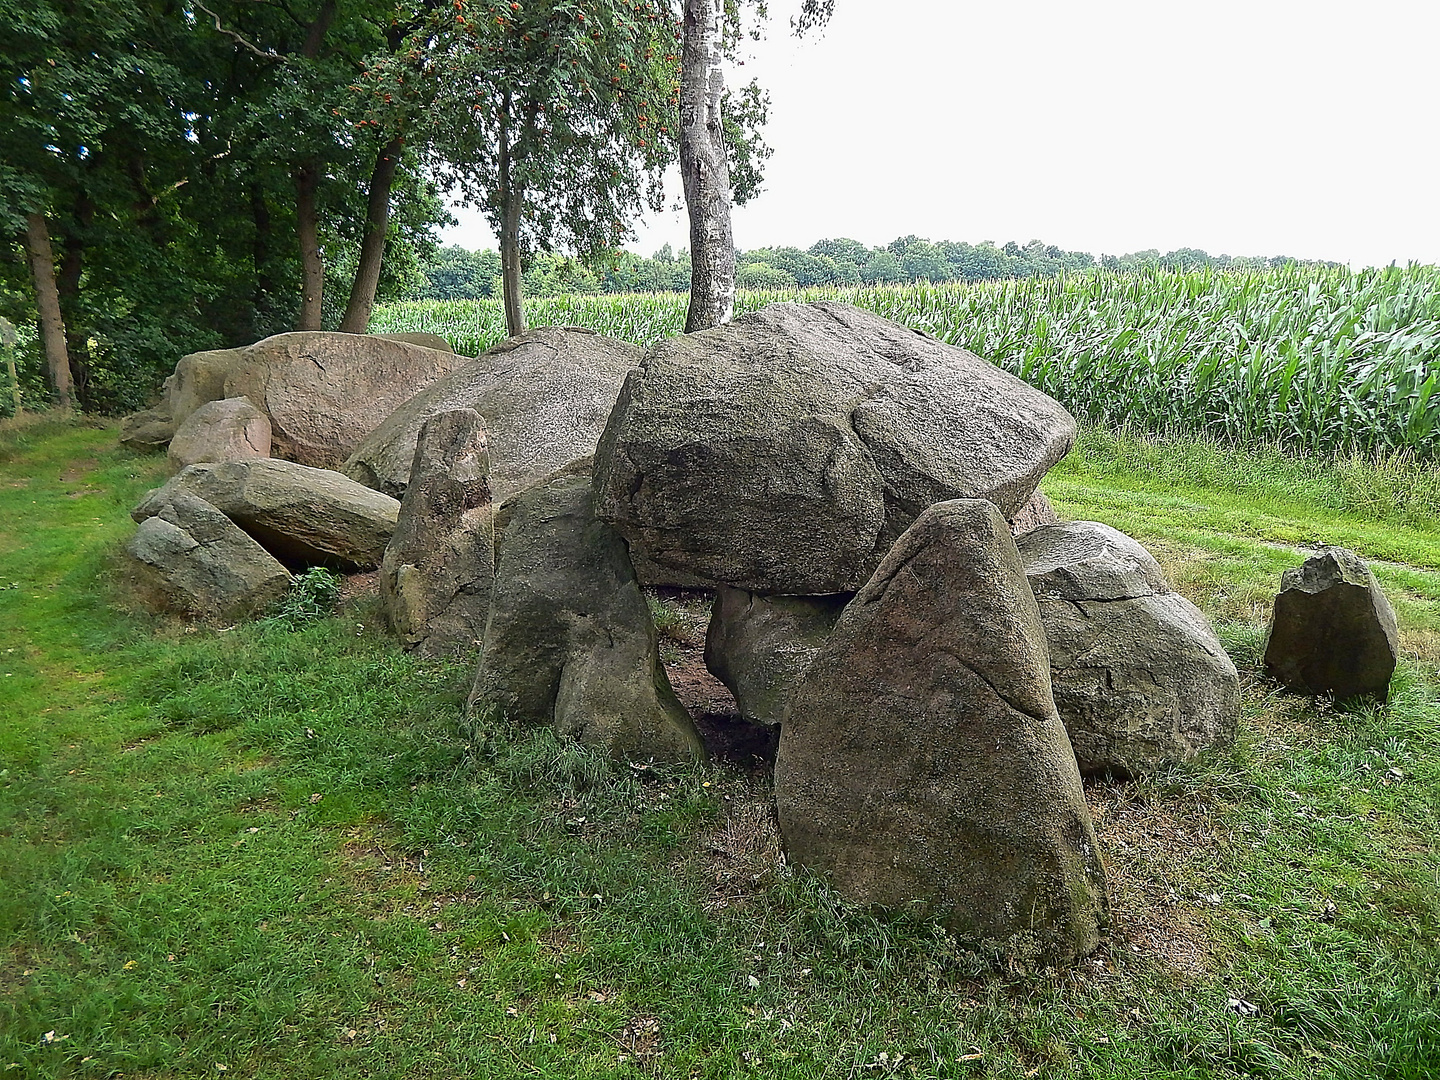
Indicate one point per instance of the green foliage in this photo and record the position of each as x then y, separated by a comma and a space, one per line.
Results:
759, 275
1311, 359
570, 109
312, 595
161, 152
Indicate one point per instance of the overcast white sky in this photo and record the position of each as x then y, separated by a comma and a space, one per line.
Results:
1249, 127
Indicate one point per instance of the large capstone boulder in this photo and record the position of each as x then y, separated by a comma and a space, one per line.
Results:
324, 392
302, 516
786, 451
147, 430
922, 765
439, 567
419, 337
570, 640
1138, 675
760, 646
544, 397
1333, 631
231, 429
192, 558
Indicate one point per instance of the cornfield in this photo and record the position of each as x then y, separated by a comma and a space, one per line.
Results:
1317, 361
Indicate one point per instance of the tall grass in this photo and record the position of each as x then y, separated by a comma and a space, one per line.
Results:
1321, 361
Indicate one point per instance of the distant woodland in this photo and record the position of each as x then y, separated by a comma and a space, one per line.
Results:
454, 273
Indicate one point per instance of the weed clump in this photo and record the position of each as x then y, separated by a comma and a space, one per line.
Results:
313, 595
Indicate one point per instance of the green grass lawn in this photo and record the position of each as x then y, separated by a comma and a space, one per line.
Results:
270, 851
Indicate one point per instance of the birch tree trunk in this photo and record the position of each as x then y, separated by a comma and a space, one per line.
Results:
312, 262
512, 201
47, 300
705, 169
372, 247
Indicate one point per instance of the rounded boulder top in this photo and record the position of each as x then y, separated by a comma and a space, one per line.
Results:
784, 452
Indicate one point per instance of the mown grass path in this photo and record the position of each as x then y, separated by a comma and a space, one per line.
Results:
269, 851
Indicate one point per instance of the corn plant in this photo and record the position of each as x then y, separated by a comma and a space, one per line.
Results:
1318, 361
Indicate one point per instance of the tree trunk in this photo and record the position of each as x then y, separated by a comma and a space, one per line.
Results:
260, 246
372, 247
67, 283
312, 263
705, 169
307, 181
512, 202
47, 300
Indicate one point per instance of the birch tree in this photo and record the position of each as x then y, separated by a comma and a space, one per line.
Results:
555, 117
717, 150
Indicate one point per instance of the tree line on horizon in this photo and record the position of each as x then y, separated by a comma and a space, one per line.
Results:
457, 273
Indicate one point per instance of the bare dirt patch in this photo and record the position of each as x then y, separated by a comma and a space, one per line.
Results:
1156, 858
79, 469
355, 588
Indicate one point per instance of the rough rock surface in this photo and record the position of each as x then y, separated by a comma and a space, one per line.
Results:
302, 516
199, 377
1138, 674
922, 764
149, 429
760, 646
195, 559
570, 640
544, 397
439, 567
1333, 631
1037, 511
785, 452
231, 429
416, 337
325, 392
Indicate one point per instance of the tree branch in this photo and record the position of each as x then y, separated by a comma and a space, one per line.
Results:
264, 54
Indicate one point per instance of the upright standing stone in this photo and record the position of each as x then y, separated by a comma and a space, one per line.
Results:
922, 764
1333, 631
1036, 512
439, 567
570, 640
760, 646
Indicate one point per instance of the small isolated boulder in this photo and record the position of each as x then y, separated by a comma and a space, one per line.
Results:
785, 452
544, 397
149, 429
302, 516
1333, 631
570, 640
439, 567
760, 646
1037, 511
922, 765
1138, 675
194, 559
231, 429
